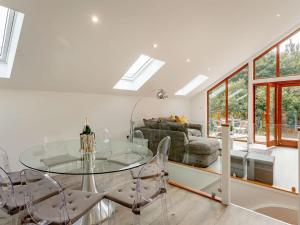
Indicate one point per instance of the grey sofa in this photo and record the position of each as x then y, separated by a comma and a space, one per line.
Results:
187, 144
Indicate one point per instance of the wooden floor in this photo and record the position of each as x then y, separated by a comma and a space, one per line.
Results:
189, 209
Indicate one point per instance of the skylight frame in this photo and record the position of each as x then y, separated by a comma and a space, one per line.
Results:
7, 36
192, 85
137, 71
141, 75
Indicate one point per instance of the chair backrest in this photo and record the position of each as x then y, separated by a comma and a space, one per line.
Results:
6, 190
138, 137
138, 134
158, 184
163, 153
106, 136
4, 164
36, 191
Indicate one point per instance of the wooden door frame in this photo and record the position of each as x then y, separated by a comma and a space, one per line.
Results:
278, 113
268, 115
281, 141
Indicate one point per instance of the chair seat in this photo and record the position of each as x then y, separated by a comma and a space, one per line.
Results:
42, 189
126, 159
78, 203
16, 178
60, 159
125, 194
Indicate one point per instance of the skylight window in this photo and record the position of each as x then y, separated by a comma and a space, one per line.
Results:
10, 28
192, 85
139, 73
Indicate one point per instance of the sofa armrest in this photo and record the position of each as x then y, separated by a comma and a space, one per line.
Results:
196, 126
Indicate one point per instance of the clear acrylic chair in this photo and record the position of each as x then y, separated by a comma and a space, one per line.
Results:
106, 135
12, 196
138, 137
7, 196
65, 207
4, 164
139, 193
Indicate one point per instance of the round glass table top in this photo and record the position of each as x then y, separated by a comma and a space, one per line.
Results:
65, 157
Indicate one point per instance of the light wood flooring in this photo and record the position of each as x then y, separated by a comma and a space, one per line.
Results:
189, 208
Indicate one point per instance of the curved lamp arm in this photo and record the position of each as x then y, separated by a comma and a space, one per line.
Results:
161, 94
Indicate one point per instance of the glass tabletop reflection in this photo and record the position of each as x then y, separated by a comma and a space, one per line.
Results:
65, 157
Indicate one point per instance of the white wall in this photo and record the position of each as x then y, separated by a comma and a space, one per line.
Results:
199, 109
27, 117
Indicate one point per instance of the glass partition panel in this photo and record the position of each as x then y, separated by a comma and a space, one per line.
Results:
275, 166
194, 161
238, 105
290, 56
265, 66
217, 110
201, 168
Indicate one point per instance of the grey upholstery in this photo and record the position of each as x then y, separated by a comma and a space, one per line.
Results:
187, 145
77, 204
125, 194
179, 140
203, 146
16, 178
125, 159
202, 152
19, 191
61, 159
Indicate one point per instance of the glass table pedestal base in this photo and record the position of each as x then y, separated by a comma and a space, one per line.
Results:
101, 211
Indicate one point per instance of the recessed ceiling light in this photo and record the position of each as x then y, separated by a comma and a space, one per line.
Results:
155, 45
278, 15
95, 19
188, 60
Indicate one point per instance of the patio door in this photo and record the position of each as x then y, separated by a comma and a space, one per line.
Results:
289, 113
265, 116
276, 113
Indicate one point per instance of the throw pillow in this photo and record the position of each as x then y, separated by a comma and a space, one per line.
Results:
181, 119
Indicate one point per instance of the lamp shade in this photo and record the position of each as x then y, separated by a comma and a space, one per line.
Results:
162, 94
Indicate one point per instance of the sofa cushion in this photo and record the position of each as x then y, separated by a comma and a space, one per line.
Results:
202, 160
177, 127
194, 132
193, 138
203, 146
151, 123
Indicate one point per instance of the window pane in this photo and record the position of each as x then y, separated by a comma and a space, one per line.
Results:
3, 16
290, 56
265, 66
217, 111
290, 112
260, 113
238, 105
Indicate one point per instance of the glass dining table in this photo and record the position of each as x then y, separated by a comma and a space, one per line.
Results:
65, 157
